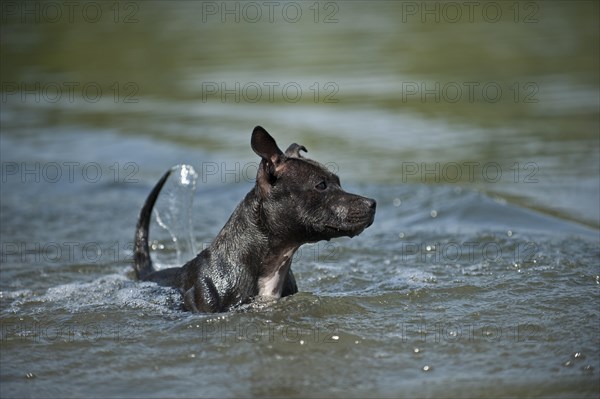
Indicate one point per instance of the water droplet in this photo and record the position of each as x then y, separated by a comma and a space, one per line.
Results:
433, 213
427, 368
397, 202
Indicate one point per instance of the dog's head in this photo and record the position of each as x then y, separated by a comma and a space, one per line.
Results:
301, 199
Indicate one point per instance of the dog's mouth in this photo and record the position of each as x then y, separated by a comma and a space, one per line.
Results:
350, 221
346, 231
350, 228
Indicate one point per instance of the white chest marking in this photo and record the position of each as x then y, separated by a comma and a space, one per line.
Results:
272, 285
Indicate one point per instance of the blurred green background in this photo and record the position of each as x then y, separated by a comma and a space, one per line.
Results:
376, 86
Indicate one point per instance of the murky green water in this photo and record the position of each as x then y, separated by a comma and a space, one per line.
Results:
475, 126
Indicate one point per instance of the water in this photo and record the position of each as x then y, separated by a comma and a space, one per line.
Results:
479, 277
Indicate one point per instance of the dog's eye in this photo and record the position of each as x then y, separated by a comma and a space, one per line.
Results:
321, 186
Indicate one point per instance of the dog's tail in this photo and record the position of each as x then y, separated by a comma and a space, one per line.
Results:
142, 263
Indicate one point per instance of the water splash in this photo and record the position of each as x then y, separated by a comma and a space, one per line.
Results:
173, 213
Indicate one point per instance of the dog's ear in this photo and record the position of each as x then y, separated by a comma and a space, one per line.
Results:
294, 150
265, 147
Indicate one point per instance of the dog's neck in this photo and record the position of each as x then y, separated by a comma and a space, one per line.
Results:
267, 255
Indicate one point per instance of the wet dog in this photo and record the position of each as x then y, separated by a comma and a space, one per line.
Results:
295, 201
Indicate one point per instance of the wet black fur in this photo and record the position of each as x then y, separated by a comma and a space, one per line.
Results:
295, 201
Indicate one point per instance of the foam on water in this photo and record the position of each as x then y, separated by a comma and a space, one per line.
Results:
112, 291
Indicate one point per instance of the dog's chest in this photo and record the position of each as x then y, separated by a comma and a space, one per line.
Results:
271, 285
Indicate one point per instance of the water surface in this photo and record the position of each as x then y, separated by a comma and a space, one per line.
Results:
477, 136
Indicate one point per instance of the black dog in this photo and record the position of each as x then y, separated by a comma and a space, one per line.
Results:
295, 201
